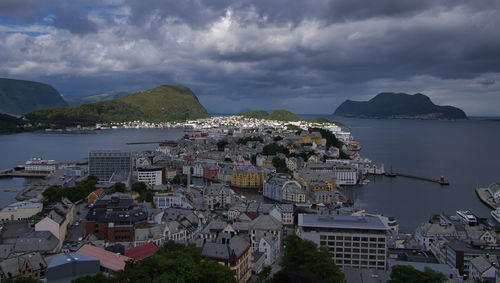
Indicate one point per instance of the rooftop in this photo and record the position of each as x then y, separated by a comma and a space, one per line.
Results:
108, 260
342, 222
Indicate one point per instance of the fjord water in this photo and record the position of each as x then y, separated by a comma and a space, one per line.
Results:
467, 153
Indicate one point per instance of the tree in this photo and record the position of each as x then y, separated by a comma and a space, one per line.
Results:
266, 271
221, 145
273, 149
120, 187
139, 187
280, 165
175, 262
96, 278
403, 274
304, 257
21, 280
176, 180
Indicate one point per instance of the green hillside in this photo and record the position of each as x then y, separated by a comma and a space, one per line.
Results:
18, 97
10, 124
79, 100
160, 104
256, 114
284, 115
278, 115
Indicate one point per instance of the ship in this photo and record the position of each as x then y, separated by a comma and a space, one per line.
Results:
467, 216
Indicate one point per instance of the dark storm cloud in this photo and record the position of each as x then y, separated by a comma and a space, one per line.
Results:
311, 53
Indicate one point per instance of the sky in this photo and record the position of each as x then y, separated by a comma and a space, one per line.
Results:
304, 56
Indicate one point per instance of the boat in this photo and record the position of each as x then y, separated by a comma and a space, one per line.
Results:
390, 174
467, 216
496, 215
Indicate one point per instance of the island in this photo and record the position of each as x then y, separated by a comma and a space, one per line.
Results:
389, 105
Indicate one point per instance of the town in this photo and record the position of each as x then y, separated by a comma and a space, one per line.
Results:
236, 188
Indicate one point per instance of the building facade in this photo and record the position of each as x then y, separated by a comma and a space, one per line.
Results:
151, 175
357, 241
104, 163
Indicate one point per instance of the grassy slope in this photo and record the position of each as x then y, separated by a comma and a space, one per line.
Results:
284, 115
256, 114
79, 100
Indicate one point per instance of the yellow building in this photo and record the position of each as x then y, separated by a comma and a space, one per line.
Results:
305, 137
247, 177
312, 182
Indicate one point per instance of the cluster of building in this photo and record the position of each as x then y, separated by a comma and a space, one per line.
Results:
102, 232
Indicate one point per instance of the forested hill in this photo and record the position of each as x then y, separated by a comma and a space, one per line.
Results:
18, 97
161, 104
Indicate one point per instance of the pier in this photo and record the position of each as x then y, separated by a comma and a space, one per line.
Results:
441, 181
10, 173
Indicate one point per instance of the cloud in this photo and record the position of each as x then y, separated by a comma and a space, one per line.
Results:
303, 55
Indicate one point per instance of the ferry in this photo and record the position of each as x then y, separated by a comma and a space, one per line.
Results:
496, 215
467, 216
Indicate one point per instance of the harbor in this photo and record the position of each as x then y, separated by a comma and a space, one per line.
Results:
441, 180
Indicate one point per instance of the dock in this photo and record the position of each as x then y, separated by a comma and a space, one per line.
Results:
441, 181
485, 197
10, 173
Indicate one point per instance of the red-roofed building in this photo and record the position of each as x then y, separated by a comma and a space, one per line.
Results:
109, 261
95, 195
142, 252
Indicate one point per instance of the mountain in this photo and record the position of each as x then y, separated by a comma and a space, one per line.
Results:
18, 97
79, 100
160, 104
391, 105
278, 115
256, 114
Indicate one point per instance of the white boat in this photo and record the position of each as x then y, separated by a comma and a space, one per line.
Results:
496, 215
467, 216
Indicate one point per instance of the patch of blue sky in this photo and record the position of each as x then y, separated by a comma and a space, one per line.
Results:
28, 33
5, 21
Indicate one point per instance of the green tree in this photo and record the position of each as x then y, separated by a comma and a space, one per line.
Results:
139, 187
408, 274
266, 271
176, 180
280, 165
303, 257
273, 149
119, 187
175, 262
52, 194
96, 278
221, 144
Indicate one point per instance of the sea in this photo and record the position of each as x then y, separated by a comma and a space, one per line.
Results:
466, 153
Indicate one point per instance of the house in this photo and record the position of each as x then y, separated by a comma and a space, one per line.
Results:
95, 195
109, 262
27, 265
247, 177
154, 234
280, 188
43, 242
262, 225
217, 196
69, 266
142, 252
286, 213
232, 251
482, 270
56, 222
211, 172
270, 246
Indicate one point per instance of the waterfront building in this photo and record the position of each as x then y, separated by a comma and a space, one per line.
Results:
74, 171
210, 172
104, 163
20, 210
151, 175
357, 241
248, 177
494, 190
325, 197
38, 165
437, 226
234, 252
307, 138
484, 269
283, 189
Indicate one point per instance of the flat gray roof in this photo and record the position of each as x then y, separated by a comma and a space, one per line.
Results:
341, 222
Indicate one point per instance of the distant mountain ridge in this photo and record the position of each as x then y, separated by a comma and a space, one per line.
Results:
18, 97
389, 105
79, 100
164, 103
278, 115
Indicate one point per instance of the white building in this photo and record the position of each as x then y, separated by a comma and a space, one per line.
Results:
357, 241
198, 170
20, 210
151, 175
167, 200
269, 246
